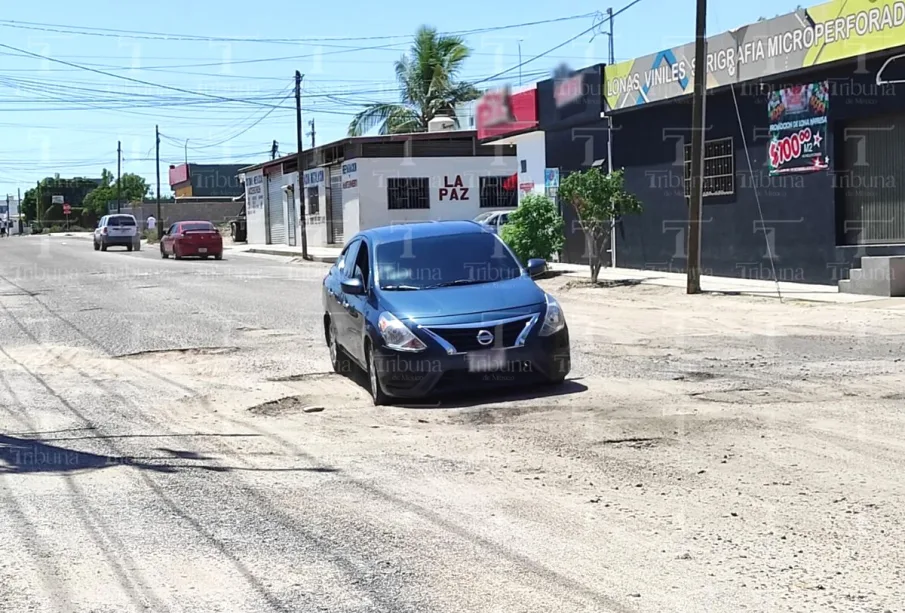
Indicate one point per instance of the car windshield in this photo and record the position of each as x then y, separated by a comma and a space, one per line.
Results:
483, 217
202, 226
121, 221
442, 261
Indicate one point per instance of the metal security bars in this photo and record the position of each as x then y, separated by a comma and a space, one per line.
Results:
496, 192
408, 193
719, 167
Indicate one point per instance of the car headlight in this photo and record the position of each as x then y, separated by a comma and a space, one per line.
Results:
554, 320
396, 334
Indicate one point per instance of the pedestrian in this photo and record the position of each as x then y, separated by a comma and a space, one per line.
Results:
152, 223
3, 225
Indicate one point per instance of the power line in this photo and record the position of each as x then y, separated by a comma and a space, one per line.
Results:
146, 35
597, 24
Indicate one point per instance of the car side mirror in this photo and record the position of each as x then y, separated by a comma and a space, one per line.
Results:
537, 267
353, 287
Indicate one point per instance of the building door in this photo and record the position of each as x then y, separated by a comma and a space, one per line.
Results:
276, 220
872, 181
292, 214
335, 207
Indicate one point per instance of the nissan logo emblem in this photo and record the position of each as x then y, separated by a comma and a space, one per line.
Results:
485, 337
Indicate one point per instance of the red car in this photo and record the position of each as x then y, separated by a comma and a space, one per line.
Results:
192, 238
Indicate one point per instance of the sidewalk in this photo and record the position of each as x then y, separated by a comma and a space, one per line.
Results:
315, 254
722, 285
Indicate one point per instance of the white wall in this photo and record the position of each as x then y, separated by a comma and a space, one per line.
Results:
351, 217
446, 203
531, 149
255, 186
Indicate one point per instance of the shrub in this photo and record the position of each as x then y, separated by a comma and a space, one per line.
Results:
149, 235
535, 228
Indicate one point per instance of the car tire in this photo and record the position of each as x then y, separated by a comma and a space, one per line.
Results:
218, 256
203, 257
337, 355
378, 396
128, 247
163, 253
103, 246
176, 254
96, 246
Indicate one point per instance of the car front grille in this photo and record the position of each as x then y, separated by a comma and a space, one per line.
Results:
464, 340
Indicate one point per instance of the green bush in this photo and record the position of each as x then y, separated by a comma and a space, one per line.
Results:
535, 228
149, 235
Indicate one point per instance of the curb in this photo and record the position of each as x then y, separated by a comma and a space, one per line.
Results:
324, 259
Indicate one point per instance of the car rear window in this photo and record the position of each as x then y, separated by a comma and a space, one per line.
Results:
200, 226
121, 221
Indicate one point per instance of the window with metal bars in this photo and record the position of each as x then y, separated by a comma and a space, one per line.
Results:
498, 192
719, 168
314, 200
408, 193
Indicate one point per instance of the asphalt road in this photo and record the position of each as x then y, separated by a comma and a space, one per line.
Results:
171, 440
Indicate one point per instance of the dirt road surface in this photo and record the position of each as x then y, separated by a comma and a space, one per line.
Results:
162, 449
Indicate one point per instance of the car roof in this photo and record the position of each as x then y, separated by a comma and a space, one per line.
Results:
196, 221
409, 231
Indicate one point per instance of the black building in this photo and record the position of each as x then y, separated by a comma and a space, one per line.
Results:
810, 216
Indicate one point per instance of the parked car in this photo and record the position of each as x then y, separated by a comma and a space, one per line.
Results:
434, 307
192, 239
494, 220
116, 230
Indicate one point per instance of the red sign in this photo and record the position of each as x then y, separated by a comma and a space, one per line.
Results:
791, 147
179, 174
527, 187
453, 190
66, 209
501, 112
568, 90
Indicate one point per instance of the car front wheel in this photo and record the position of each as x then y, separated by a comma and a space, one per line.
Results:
377, 394
335, 350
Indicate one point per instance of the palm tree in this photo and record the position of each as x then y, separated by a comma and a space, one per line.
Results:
428, 86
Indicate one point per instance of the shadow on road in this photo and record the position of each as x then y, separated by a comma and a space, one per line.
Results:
34, 456
494, 395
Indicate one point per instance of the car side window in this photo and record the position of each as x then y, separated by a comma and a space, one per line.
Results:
504, 219
349, 261
172, 229
363, 264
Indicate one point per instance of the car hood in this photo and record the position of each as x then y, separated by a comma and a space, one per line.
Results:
449, 302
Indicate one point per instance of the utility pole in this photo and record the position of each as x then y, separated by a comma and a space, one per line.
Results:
300, 164
519, 61
274, 149
609, 144
157, 156
311, 133
186, 152
119, 163
696, 195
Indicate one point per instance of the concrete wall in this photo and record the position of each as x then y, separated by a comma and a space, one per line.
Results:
446, 203
216, 212
532, 152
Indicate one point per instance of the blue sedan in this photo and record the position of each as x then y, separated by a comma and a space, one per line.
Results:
427, 308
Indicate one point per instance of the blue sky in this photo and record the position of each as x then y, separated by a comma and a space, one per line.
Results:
58, 118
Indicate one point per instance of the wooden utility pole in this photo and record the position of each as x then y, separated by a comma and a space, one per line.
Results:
274, 149
159, 216
696, 194
119, 164
300, 163
312, 133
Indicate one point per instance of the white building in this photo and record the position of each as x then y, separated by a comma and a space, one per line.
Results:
359, 183
9, 210
505, 117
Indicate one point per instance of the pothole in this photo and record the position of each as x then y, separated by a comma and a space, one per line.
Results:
633, 442
311, 376
694, 376
751, 396
190, 351
284, 406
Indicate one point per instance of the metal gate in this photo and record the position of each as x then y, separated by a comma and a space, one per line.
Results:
335, 207
292, 213
276, 227
873, 181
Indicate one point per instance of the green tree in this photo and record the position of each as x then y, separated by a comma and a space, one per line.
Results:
132, 188
428, 83
534, 229
598, 199
73, 191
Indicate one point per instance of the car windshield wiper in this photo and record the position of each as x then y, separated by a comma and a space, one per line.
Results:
457, 282
399, 288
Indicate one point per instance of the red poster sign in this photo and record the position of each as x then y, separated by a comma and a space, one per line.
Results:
500, 112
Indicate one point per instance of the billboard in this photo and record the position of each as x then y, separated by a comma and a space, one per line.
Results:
500, 112
798, 128
837, 30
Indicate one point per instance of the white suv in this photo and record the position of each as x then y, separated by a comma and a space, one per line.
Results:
119, 229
